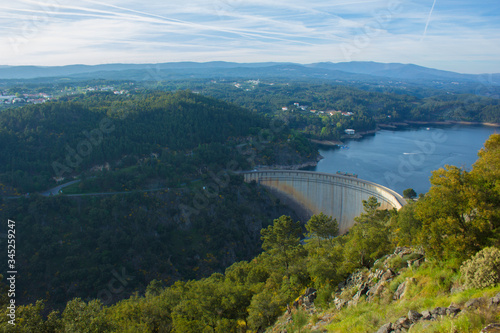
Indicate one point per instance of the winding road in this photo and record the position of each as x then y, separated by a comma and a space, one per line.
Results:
55, 190
113, 193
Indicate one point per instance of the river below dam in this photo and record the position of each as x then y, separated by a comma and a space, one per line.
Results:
404, 158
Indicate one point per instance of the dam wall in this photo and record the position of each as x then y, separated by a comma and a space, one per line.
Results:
336, 195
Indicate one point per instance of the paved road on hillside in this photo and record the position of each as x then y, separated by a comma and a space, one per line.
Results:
55, 190
113, 193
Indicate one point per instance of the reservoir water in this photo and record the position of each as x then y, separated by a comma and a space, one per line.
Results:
401, 159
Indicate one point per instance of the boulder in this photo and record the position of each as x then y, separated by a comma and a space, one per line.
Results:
309, 296
307, 299
427, 315
400, 291
339, 303
401, 323
362, 291
475, 303
452, 310
357, 278
387, 328
414, 316
402, 251
388, 274
495, 300
439, 311
416, 263
377, 274
376, 290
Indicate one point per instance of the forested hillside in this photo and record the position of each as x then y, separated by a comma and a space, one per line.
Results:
368, 108
149, 256
270, 97
307, 101
180, 210
73, 247
169, 135
458, 217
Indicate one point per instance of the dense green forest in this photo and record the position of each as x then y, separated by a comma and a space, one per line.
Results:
459, 216
370, 104
366, 105
181, 211
73, 246
165, 138
153, 261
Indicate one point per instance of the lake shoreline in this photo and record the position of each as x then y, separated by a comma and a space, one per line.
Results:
327, 142
395, 126
400, 125
444, 122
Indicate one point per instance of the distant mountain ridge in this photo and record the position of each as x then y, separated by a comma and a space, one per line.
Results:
362, 71
32, 72
394, 70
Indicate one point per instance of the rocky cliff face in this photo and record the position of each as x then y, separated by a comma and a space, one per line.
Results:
403, 324
374, 285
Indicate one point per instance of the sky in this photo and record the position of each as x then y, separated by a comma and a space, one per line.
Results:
456, 35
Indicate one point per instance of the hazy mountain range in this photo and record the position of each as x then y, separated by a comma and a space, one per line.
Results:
360, 71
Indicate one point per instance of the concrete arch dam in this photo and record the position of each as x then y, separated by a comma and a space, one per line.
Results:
336, 195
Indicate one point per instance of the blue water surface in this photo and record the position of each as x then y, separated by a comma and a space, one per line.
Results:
401, 159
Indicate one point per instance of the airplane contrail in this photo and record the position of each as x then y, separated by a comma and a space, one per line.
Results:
428, 20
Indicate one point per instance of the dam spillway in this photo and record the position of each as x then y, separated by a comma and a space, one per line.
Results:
337, 195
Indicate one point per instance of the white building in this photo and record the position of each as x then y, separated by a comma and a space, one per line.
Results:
349, 131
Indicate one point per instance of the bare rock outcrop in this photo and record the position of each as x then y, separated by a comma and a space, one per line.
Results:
439, 312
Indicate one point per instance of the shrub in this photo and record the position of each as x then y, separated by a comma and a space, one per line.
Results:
482, 270
396, 263
324, 296
299, 320
411, 256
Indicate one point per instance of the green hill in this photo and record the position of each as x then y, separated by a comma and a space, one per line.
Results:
170, 135
179, 210
449, 259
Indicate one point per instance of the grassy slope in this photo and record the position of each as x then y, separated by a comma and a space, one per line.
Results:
430, 289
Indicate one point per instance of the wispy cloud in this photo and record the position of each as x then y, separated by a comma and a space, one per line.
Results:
49, 32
